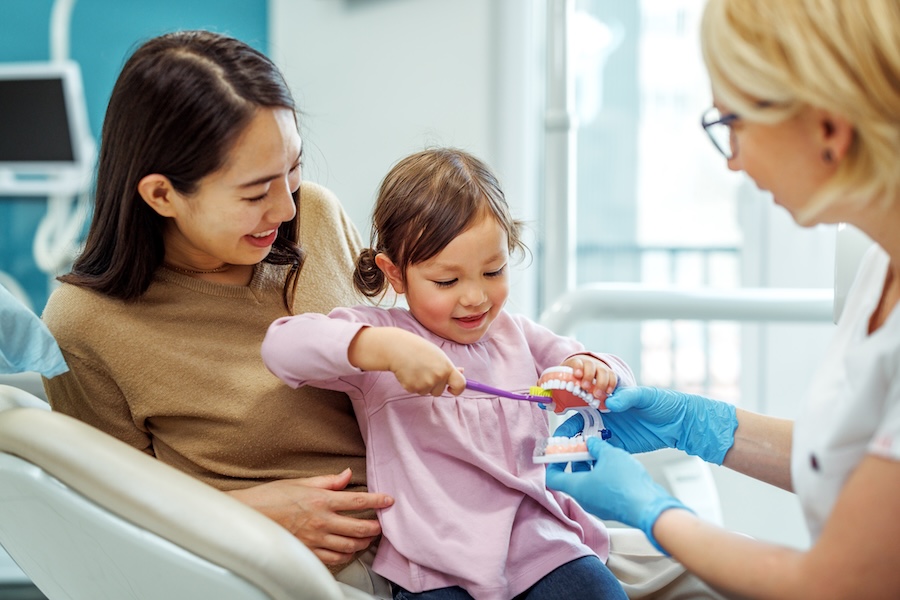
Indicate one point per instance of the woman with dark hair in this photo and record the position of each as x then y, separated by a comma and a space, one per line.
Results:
193, 250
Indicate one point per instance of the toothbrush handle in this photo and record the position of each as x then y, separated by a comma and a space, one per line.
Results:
481, 387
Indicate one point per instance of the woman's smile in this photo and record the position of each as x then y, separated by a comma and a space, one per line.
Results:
263, 239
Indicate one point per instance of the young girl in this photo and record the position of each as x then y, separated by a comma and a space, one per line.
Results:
472, 515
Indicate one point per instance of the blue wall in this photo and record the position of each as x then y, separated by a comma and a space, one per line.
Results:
103, 34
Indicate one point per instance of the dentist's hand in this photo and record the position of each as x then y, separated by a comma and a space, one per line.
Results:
618, 488
642, 419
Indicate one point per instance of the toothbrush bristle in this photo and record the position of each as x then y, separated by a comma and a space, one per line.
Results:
539, 391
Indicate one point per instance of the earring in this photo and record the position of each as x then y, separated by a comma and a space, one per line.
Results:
826, 156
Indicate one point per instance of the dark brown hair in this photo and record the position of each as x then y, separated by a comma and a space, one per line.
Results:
177, 109
425, 201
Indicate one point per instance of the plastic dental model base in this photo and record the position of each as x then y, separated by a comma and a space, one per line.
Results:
567, 395
572, 449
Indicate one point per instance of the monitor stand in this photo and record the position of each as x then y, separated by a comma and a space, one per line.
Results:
63, 183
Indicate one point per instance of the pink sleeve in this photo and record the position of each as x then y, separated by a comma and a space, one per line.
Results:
310, 348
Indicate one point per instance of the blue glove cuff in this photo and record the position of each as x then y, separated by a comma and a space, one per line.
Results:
652, 513
711, 433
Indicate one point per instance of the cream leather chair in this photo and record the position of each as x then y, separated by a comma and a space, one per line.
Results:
88, 517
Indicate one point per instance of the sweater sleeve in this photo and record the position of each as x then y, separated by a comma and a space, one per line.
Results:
311, 349
89, 395
88, 391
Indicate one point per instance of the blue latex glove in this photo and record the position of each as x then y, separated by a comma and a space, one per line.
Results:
618, 488
642, 419
25, 342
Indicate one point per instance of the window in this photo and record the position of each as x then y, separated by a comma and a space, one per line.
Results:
657, 205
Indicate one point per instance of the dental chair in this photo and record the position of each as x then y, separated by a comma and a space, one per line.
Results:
88, 517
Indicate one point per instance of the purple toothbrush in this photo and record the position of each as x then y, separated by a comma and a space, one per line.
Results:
537, 394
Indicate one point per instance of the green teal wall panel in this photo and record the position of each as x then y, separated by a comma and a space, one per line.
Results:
103, 33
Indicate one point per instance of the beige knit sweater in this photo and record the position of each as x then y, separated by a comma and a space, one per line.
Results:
178, 372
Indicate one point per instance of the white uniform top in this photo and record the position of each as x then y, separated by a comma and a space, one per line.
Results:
853, 405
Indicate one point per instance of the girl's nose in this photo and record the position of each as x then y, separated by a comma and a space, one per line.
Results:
473, 296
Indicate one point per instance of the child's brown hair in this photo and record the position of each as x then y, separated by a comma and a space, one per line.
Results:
425, 201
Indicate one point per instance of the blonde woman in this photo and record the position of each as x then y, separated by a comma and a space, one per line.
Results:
807, 103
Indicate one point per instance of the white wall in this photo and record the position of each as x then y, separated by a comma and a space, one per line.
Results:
380, 79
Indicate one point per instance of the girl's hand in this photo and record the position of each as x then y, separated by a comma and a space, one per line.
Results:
423, 368
593, 374
311, 509
420, 366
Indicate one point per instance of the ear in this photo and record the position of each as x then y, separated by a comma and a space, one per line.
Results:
836, 134
391, 272
158, 193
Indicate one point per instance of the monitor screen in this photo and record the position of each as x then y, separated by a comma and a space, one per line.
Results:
34, 122
43, 119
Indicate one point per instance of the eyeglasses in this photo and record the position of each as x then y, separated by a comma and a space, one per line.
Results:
718, 128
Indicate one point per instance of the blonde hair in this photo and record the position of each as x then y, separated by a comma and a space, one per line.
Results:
767, 59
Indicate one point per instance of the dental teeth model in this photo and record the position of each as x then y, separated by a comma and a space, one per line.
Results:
561, 449
568, 395
559, 392
566, 391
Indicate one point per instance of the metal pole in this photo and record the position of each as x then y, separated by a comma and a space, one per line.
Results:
557, 226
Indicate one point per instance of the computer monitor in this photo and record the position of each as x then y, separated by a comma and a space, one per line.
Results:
45, 143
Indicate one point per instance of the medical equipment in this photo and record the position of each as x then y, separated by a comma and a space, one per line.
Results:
557, 385
569, 397
562, 448
566, 391
46, 148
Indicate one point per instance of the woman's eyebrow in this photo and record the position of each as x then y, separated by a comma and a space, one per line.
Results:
258, 181
267, 178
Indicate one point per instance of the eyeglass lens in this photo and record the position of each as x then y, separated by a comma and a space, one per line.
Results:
718, 127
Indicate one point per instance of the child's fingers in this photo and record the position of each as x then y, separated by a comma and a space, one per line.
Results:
456, 383
613, 383
606, 381
589, 376
577, 365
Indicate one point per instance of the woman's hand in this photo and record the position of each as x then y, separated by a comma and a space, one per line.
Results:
310, 508
642, 419
617, 488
